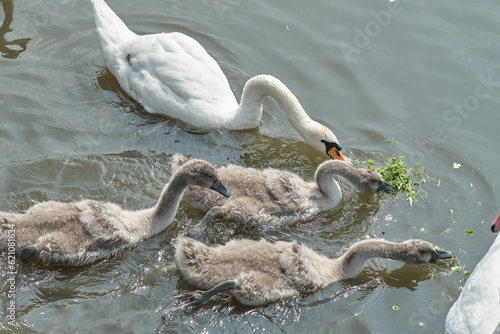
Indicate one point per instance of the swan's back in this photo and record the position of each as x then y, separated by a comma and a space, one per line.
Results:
167, 73
172, 73
477, 309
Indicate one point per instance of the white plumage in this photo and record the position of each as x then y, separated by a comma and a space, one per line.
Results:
172, 74
477, 309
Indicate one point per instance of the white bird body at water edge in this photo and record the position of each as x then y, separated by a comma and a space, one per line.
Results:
477, 309
172, 74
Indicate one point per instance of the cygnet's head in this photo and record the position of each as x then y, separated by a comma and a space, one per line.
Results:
371, 181
203, 174
416, 251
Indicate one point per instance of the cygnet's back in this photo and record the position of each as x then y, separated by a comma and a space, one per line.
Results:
274, 197
82, 232
260, 272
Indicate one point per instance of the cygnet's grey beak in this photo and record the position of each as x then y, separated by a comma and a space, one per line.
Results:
441, 254
386, 186
220, 188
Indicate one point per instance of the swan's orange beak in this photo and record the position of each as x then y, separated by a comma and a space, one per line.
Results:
495, 226
335, 153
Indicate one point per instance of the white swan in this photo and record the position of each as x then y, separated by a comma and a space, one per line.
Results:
260, 272
172, 74
477, 309
83, 232
275, 197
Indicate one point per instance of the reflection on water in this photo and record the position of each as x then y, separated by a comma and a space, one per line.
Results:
10, 49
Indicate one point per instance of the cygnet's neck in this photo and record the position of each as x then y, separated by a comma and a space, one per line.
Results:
163, 213
328, 185
249, 111
352, 262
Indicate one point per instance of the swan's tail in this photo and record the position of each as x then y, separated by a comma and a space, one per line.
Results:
110, 27
177, 161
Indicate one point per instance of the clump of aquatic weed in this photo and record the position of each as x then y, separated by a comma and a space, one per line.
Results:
403, 179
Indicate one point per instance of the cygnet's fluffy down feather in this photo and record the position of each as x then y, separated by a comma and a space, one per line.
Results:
83, 232
261, 272
274, 197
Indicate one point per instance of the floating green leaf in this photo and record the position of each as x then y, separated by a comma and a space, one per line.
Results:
469, 232
403, 179
370, 163
395, 307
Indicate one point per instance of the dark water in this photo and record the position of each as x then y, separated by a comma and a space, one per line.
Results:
422, 73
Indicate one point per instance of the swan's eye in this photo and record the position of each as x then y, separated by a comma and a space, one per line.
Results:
330, 145
333, 150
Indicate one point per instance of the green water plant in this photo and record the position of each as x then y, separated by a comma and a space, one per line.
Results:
402, 178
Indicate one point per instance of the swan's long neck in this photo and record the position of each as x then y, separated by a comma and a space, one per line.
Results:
352, 262
163, 213
111, 29
260, 86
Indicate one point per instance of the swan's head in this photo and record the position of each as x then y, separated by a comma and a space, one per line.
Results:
323, 139
202, 174
371, 181
418, 251
333, 150
495, 226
